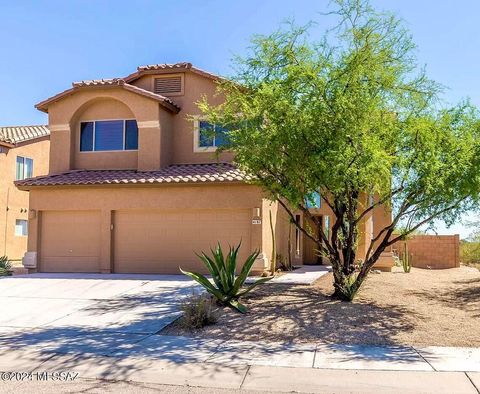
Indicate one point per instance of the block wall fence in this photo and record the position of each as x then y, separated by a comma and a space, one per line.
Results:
431, 251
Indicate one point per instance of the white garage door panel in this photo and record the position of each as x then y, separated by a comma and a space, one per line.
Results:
161, 241
70, 241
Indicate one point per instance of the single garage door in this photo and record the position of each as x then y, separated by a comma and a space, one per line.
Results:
161, 241
70, 241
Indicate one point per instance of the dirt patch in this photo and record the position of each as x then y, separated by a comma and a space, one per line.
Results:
424, 307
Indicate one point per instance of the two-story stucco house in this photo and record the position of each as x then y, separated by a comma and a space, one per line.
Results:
134, 185
23, 153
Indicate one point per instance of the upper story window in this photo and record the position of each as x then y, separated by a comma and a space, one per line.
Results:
208, 137
108, 135
313, 200
24, 168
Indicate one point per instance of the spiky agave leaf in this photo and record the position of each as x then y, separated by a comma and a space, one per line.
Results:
247, 267
223, 270
212, 269
253, 285
238, 306
205, 283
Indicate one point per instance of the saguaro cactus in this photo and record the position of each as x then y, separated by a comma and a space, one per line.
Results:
406, 261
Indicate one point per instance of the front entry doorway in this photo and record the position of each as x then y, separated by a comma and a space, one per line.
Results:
311, 254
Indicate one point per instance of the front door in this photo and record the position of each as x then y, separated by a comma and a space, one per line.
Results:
311, 255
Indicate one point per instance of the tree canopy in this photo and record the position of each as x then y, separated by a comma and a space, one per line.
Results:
351, 114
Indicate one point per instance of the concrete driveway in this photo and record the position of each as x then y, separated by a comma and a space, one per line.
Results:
86, 313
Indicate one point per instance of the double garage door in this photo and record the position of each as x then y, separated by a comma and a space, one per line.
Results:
143, 241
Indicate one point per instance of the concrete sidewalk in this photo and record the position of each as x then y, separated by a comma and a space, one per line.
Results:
212, 376
301, 275
46, 342
237, 365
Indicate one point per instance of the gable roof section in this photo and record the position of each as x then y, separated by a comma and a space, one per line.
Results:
12, 135
173, 174
169, 68
109, 83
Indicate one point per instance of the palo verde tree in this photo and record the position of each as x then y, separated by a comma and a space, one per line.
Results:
350, 116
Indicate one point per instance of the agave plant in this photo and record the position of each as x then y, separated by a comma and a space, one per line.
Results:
5, 266
227, 287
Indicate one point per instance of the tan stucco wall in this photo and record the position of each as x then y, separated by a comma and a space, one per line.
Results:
13, 202
376, 221
195, 87
96, 104
107, 200
101, 109
164, 138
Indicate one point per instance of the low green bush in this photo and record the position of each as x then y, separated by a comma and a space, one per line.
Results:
198, 311
5, 266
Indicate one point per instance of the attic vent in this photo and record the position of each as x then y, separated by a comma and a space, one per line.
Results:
168, 85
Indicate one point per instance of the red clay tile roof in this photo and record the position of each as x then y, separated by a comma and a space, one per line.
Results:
124, 82
99, 82
109, 83
175, 67
179, 174
16, 134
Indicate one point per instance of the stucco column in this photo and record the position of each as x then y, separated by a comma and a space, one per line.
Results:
149, 145
257, 239
266, 233
365, 228
61, 145
382, 217
106, 234
31, 258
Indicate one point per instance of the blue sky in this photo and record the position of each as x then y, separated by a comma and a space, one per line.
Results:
45, 45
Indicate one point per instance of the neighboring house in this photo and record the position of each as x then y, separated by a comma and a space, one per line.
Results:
23, 153
134, 184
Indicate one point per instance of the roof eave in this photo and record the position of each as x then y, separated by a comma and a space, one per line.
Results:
7, 144
153, 184
43, 105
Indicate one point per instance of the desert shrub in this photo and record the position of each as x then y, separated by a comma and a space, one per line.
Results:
5, 266
227, 287
198, 311
470, 252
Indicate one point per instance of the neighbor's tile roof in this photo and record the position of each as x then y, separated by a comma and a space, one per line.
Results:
17, 134
179, 173
108, 83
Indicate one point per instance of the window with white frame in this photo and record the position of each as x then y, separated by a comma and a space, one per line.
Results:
23, 168
21, 227
297, 236
108, 135
209, 136
327, 226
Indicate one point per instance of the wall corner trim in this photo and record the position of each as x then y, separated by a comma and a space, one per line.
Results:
148, 123
59, 127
